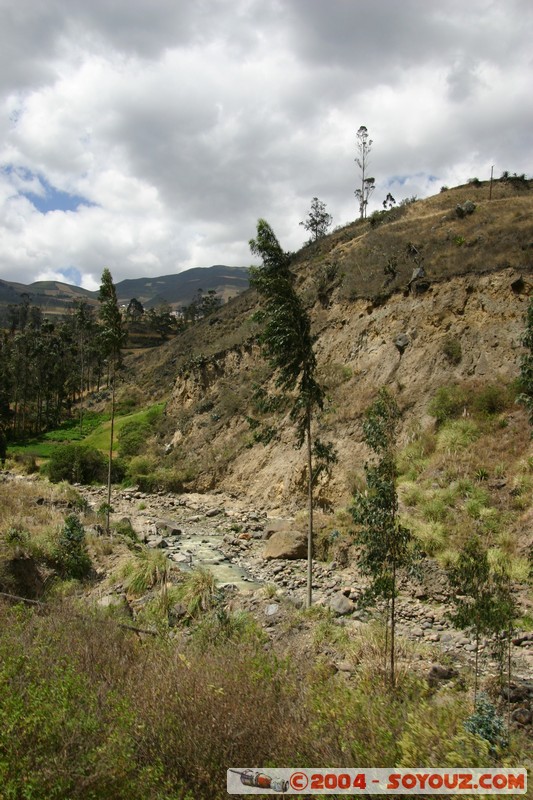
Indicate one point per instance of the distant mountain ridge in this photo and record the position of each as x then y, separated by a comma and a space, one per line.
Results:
177, 290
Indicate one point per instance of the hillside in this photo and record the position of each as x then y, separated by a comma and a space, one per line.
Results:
180, 289
54, 297
461, 324
196, 600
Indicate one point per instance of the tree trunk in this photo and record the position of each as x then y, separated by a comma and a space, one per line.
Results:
310, 512
393, 627
476, 668
108, 509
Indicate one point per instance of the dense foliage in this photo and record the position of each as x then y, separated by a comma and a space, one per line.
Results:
45, 367
87, 711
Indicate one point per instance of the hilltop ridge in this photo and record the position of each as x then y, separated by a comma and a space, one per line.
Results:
461, 324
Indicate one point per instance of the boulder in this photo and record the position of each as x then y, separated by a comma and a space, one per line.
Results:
439, 673
401, 341
521, 715
286, 544
275, 525
166, 527
463, 210
340, 604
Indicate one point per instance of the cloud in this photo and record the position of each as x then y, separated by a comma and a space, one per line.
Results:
148, 137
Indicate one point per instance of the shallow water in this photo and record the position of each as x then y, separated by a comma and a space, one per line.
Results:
201, 550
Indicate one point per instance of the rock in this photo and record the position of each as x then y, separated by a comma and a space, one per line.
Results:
213, 512
156, 541
401, 342
463, 210
167, 527
521, 715
176, 613
341, 604
286, 544
114, 601
516, 693
438, 673
276, 525
272, 609
344, 666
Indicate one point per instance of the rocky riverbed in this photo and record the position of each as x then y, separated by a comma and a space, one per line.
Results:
220, 532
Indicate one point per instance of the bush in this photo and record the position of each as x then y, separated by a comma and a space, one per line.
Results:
487, 723
132, 438
72, 557
490, 400
451, 348
77, 464
449, 403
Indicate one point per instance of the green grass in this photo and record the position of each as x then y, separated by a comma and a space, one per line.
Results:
69, 431
95, 432
100, 437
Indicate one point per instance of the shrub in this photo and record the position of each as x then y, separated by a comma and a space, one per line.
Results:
449, 402
132, 437
486, 722
451, 348
77, 464
199, 592
490, 400
457, 434
149, 569
72, 558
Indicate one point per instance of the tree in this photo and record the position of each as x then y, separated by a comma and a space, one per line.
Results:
83, 320
112, 338
482, 597
318, 220
135, 310
288, 343
389, 202
385, 544
364, 146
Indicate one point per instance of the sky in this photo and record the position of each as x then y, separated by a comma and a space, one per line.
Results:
148, 136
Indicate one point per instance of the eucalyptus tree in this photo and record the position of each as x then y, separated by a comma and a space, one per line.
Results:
364, 147
84, 325
483, 602
112, 338
318, 220
288, 344
384, 543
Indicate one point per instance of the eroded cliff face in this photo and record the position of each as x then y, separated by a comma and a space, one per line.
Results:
465, 329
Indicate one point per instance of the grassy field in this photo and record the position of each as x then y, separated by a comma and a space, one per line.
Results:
99, 438
95, 433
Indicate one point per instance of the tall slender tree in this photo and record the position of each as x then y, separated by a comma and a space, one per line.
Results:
385, 544
288, 343
112, 337
364, 146
482, 598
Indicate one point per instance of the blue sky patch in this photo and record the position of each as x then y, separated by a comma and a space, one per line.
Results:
42, 194
72, 275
